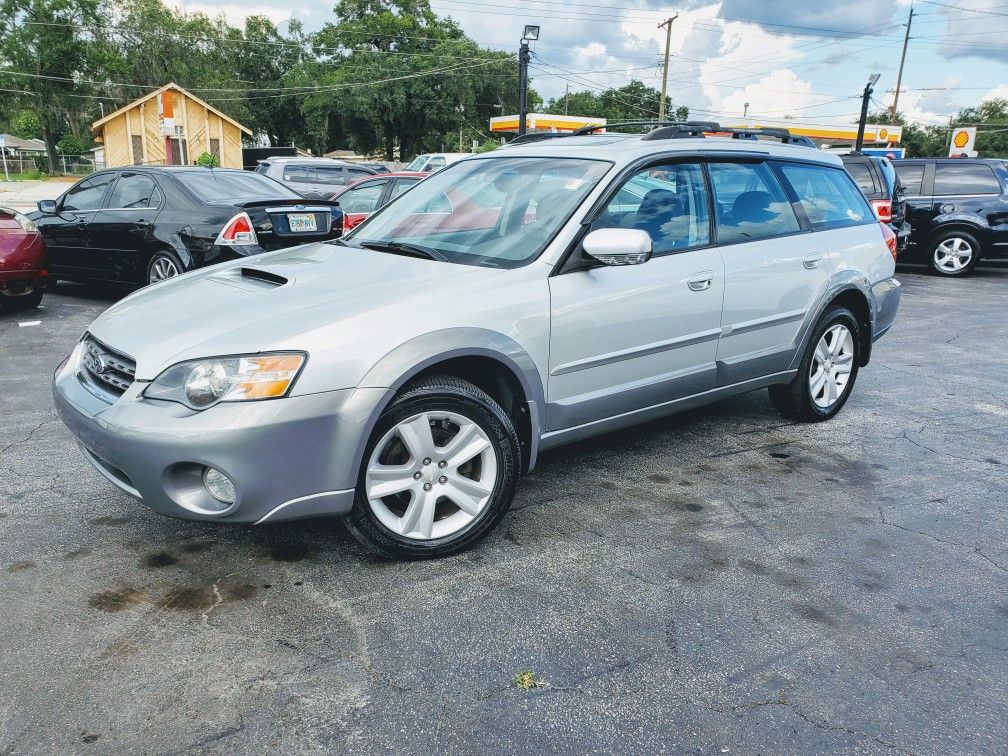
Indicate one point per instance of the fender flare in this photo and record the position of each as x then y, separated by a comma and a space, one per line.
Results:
847, 280
376, 390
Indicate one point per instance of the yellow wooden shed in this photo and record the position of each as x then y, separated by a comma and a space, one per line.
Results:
169, 126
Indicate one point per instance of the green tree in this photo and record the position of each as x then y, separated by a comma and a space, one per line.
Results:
632, 102
44, 41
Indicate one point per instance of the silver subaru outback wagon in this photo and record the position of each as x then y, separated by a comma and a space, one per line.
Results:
406, 376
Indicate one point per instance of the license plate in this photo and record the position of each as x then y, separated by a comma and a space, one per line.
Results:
301, 222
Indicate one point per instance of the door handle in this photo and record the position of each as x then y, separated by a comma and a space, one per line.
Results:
701, 281
812, 261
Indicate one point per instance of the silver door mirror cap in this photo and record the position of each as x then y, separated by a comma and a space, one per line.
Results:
618, 246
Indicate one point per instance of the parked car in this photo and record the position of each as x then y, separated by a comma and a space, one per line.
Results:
24, 271
376, 167
366, 195
958, 209
876, 177
142, 224
406, 375
434, 161
312, 178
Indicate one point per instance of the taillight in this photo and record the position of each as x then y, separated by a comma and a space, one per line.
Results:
883, 210
890, 239
237, 232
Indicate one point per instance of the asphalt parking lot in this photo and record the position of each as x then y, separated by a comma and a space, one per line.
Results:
717, 582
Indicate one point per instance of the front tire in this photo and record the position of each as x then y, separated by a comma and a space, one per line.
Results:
954, 253
21, 302
827, 370
438, 473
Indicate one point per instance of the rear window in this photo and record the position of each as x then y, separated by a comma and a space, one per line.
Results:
911, 176
889, 175
965, 178
214, 186
827, 195
862, 175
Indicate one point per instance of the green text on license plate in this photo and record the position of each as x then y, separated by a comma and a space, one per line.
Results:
301, 222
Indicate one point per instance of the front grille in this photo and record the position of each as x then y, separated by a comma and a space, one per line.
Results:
111, 370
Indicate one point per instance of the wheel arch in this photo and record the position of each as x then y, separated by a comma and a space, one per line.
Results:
492, 361
968, 225
853, 292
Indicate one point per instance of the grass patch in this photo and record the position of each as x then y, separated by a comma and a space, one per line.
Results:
528, 681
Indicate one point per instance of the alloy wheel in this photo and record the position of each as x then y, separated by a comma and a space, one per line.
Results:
162, 268
953, 255
431, 475
832, 363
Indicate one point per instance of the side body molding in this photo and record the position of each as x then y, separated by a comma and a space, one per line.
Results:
381, 383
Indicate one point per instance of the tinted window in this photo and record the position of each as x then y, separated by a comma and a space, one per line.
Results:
965, 178
401, 185
87, 195
827, 195
213, 186
132, 192
363, 198
888, 175
667, 201
295, 173
750, 203
329, 174
862, 174
911, 176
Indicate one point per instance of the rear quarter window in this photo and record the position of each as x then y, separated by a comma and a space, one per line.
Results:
828, 195
965, 178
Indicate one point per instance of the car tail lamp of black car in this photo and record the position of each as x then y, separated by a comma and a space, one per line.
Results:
237, 232
890, 239
883, 209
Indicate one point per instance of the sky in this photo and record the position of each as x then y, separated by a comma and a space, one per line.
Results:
804, 60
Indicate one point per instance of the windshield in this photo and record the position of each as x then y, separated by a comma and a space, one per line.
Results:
418, 162
498, 212
240, 186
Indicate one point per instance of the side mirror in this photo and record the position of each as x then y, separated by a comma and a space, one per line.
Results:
47, 207
618, 246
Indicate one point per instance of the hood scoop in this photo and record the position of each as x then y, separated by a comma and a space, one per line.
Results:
264, 276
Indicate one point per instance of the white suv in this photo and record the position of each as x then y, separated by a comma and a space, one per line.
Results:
406, 376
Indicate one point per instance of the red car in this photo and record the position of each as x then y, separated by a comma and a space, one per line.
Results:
23, 262
363, 197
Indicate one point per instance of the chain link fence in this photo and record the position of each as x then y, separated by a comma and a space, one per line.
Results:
69, 165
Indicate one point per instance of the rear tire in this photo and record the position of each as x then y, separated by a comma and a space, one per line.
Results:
162, 266
438, 473
23, 302
826, 373
954, 254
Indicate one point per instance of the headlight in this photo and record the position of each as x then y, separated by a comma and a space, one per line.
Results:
25, 222
199, 384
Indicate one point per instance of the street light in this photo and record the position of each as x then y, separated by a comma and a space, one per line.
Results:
865, 97
745, 110
530, 34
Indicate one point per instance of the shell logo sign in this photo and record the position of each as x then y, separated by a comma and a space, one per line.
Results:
962, 142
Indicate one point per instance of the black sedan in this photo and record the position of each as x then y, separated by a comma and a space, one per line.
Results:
141, 224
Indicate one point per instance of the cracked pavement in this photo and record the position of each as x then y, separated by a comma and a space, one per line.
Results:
719, 581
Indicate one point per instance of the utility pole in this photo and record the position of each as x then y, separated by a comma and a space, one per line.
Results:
667, 25
531, 34
899, 76
865, 97
566, 97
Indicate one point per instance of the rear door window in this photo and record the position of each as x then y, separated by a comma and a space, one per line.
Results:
862, 175
911, 175
750, 203
330, 175
296, 173
827, 195
133, 192
965, 178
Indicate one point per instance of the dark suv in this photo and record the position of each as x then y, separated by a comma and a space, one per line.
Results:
958, 208
877, 178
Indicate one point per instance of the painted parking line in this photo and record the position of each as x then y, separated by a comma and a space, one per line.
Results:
25, 323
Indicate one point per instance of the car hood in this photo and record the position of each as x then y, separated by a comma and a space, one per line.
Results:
250, 305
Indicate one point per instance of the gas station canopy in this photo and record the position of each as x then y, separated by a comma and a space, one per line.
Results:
543, 122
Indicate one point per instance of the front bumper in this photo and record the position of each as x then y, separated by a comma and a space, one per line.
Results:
289, 458
886, 300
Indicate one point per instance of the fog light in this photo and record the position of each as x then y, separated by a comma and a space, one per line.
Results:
219, 486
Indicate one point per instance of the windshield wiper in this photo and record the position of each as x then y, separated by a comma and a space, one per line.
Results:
402, 248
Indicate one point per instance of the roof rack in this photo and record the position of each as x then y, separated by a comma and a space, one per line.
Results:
784, 135
696, 127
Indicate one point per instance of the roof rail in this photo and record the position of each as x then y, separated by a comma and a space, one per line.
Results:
697, 126
782, 134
